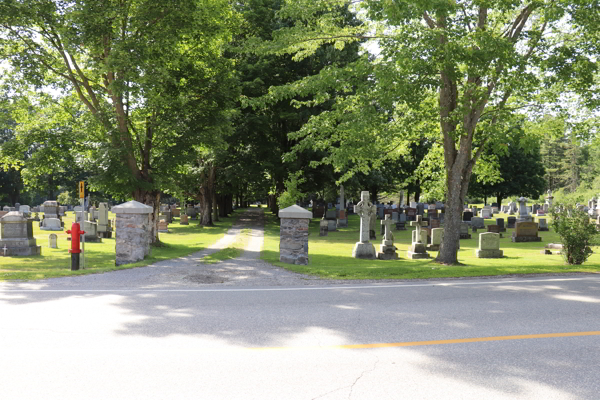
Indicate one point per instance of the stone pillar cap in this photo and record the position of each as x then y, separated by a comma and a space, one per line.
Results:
295, 212
132, 207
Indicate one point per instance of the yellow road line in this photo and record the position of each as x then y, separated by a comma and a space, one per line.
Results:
436, 342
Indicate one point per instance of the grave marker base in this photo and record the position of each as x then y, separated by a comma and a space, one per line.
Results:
364, 250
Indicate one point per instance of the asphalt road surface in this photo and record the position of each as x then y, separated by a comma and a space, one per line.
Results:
502, 338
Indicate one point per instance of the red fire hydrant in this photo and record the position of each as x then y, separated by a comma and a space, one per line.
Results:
75, 250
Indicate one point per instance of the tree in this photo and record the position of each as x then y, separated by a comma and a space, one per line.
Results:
519, 173
480, 61
150, 73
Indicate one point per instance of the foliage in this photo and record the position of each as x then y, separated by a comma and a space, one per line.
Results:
292, 193
65, 198
576, 232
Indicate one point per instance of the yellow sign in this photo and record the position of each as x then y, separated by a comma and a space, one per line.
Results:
81, 190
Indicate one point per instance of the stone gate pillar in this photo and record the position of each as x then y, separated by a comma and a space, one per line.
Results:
132, 232
293, 235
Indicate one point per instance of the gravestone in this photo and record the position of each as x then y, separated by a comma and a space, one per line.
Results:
323, 227
342, 220
418, 249
190, 211
494, 229
373, 223
133, 232
433, 214
332, 224
318, 211
168, 216
25, 210
477, 223
365, 210
49, 222
52, 241
542, 224
163, 226
16, 236
423, 235
434, 223
387, 250
486, 213
467, 216
91, 232
500, 223
464, 231
293, 232
175, 212
524, 211
411, 214
400, 226
104, 224
183, 220
330, 215
395, 216
510, 222
526, 232
380, 211
437, 235
489, 246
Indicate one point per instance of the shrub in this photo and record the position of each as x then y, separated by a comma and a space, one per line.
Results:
576, 232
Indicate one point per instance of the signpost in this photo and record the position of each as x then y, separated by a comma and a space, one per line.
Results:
82, 200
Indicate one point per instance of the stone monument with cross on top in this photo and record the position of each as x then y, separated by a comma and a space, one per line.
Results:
418, 248
364, 209
387, 250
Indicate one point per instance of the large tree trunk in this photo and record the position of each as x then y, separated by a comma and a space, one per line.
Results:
150, 198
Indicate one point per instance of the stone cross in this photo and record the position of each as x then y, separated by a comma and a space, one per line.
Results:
418, 223
364, 209
387, 222
523, 206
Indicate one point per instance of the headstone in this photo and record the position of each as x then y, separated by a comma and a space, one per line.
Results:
433, 214
25, 210
163, 226
91, 232
190, 211
293, 232
510, 222
52, 241
495, 205
51, 224
395, 216
526, 232
500, 223
342, 220
318, 211
542, 224
183, 219
365, 210
494, 229
380, 211
411, 214
16, 235
133, 232
477, 222
387, 250
437, 235
104, 224
176, 212
418, 247
420, 208
401, 226
486, 213
332, 225
467, 215
50, 215
413, 204
168, 216
77, 208
434, 223
323, 227
422, 238
489, 246
464, 231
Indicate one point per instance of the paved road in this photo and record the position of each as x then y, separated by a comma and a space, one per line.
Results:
247, 330
292, 343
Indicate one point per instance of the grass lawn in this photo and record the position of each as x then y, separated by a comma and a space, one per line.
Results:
330, 256
100, 257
